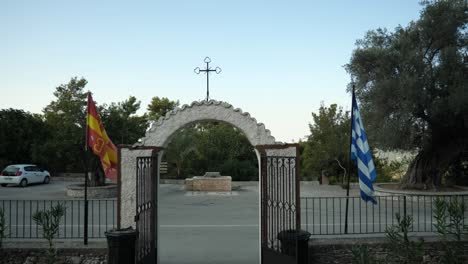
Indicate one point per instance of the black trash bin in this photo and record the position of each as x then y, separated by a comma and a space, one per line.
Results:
289, 239
121, 245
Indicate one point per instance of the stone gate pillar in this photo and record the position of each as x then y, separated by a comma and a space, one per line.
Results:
126, 193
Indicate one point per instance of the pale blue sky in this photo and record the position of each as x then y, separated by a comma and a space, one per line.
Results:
280, 59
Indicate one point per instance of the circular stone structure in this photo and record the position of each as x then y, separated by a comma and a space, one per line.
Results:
414, 195
107, 191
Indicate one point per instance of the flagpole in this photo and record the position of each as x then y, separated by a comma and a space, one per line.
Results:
349, 161
85, 222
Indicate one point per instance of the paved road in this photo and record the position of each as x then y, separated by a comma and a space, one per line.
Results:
53, 190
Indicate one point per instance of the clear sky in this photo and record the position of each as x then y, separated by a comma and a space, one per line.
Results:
279, 59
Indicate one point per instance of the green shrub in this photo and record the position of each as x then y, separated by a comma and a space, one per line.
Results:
402, 249
49, 221
390, 171
449, 217
361, 255
239, 170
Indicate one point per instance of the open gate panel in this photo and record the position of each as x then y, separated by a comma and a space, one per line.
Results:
146, 209
279, 209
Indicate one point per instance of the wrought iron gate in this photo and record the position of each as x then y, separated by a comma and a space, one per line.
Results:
146, 209
280, 210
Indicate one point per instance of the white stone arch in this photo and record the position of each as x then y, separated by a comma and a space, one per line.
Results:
160, 132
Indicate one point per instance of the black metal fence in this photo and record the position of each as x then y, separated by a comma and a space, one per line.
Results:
326, 215
18, 215
320, 215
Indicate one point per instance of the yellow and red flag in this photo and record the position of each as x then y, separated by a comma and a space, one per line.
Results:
99, 142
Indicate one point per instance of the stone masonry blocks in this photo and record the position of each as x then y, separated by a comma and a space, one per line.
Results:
218, 184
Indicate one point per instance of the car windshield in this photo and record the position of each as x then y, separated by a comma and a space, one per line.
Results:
11, 169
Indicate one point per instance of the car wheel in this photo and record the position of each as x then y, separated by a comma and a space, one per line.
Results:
46, 179
4, 184
24, 183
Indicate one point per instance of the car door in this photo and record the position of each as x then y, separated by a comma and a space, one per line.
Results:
37, 174
29, 175
41, 174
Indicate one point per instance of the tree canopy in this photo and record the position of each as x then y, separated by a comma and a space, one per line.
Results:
159, 107
413, 90
122, 123
327, 147
211, 146
21, 132
65, 117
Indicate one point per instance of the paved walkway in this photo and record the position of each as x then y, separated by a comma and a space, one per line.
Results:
205, 228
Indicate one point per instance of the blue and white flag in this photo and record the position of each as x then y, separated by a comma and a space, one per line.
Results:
361, 154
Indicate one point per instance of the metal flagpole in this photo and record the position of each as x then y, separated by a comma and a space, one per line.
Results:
349, 162
85, 222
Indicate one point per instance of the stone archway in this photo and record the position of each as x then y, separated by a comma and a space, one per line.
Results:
159, 133
269, 152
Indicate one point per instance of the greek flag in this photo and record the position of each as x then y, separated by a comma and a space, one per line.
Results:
360, 153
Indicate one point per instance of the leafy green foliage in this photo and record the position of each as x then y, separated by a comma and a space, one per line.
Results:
159, 107
65, 120
458, 171
402, 249
65, 117
390, 171
182, 151
49, 221
121, 121
326, 150
211, 146
449, 216
240, 170
20, 133
412, 88
328, 144
362, 255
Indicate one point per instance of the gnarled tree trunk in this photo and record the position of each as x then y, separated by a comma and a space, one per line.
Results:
97, 175
429, 166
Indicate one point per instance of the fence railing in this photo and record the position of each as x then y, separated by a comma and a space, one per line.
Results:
320, 215
102, 216
326, 215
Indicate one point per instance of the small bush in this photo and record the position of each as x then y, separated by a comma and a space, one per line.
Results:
403, 250
449, 217
361, 255
49, 221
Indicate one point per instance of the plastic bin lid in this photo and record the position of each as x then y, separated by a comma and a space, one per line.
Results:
292, 234
129, 231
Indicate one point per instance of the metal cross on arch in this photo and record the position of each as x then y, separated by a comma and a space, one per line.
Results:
207, 70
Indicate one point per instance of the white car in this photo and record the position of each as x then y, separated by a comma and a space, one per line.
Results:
23, 174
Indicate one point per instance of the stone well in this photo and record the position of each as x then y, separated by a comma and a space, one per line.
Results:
210, 182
